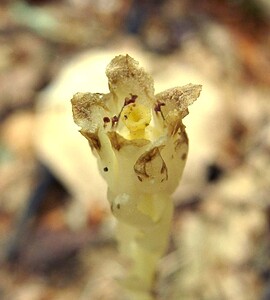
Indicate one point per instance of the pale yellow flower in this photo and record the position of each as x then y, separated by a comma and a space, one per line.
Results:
138, 137
141, 147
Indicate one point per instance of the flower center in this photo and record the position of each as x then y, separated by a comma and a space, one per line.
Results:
136, 117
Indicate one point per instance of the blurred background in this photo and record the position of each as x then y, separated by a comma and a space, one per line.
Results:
56, 231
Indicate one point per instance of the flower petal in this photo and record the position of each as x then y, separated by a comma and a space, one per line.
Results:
119, 141
127, 78
178, 98
89, 110
151, 167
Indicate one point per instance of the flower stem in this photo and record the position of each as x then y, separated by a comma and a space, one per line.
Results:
143, 247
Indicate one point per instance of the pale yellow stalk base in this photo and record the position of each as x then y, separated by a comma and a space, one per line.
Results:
143, 247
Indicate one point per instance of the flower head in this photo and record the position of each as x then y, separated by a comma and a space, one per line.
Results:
137, 136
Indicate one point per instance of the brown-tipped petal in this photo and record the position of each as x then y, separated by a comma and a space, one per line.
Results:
88, 110
178, 98
127, 78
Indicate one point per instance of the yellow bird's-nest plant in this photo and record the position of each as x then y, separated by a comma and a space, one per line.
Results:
141, 148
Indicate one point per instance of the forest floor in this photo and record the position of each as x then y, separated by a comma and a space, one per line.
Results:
220, 241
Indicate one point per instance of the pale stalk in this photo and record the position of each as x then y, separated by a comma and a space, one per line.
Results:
143, 245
